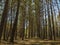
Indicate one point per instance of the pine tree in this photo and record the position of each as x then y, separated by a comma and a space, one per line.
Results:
4, 16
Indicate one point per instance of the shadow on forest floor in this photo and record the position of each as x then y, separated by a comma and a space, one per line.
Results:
31, 42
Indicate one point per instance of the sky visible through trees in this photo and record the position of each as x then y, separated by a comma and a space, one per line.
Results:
29, 19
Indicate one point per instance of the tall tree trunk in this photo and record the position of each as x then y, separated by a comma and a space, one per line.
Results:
56, 25
15, 23
53, 27
45, 24
22, 19
49, 21
38, 17
30, 21
5, 30
4, 16
10, 28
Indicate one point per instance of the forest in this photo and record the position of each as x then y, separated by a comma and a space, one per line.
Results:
30, 20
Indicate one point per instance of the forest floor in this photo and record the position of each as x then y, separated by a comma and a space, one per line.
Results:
31, 42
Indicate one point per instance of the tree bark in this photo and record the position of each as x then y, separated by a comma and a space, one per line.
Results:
15, 23
4, 16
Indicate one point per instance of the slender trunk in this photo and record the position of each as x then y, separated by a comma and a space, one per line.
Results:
5, 30
22, 19
15, 23
56, 26
53, 28
37, 7
30, 20
45, 24
49, 22
4, 16
10, 28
